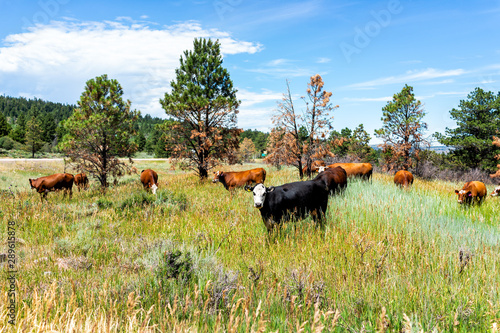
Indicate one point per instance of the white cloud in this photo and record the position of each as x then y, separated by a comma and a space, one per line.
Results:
442, 93
278, 62
368, 99
54, 61
323, 60
249, 98
409, 77
256, 118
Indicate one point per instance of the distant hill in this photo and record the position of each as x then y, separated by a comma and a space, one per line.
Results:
438, 149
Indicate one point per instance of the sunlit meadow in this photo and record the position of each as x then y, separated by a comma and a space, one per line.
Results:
198, 258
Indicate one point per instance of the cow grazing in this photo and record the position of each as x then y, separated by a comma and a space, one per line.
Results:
58, 181
361, 170
232, 179
280, 203
335, 179
403, 179
315, 166
149, 179
496, 192
472, 192
81, 181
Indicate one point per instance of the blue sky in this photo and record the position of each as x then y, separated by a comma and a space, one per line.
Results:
366, 51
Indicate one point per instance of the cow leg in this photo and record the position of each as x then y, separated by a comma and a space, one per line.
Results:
269, 225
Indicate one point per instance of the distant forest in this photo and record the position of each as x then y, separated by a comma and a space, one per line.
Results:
15, 113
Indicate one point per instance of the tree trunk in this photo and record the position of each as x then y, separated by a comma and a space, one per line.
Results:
203, 172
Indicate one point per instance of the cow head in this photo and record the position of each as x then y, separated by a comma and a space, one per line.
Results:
259, 194
464, 196
217, 174
321, 169
154, 188
31, 183
496, 192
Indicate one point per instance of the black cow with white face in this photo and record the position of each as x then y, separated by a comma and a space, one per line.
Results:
296, 199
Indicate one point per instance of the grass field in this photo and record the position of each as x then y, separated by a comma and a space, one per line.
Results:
196, 258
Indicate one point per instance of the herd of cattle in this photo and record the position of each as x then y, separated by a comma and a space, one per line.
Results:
277, 203
65, 181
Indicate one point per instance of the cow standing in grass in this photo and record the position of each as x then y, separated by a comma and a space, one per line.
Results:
472, 192
149, 179
496, 192
58, 181
403, 179
361, 170
232, 179
298, 199
81, 181
315, 167
335, 179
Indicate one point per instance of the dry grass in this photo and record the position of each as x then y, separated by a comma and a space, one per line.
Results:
387, 259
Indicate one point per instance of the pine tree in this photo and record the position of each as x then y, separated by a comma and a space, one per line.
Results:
100, 130
140, 141
402, 130
4, 125
478, 119
19, 131
204, 106
358, 146
33, 136
49, 126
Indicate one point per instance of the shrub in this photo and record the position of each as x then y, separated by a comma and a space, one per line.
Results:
175, 265
138, 199
104, 203
7, 143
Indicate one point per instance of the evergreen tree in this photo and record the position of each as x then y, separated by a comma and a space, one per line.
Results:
4, 125
34, 130
340, 141
402, 129
100, 130
19, 131
358, 145
49, 126
478, 119
140, 141
204, 106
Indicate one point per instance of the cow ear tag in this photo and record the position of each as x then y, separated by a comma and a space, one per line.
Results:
470, 194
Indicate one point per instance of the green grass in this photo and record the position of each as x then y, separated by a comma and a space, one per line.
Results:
387, 259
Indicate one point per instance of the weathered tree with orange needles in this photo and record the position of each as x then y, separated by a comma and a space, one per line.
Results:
247, 150
302, 135
204, 106
496, 143
403, 130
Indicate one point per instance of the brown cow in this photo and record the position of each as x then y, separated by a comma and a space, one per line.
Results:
315, 165
149, 179
361, 170
232, 179
81, 181
496, 192
471, 192
403, 178
335, 179
58, 181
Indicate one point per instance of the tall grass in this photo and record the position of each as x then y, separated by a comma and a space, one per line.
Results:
386, 260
